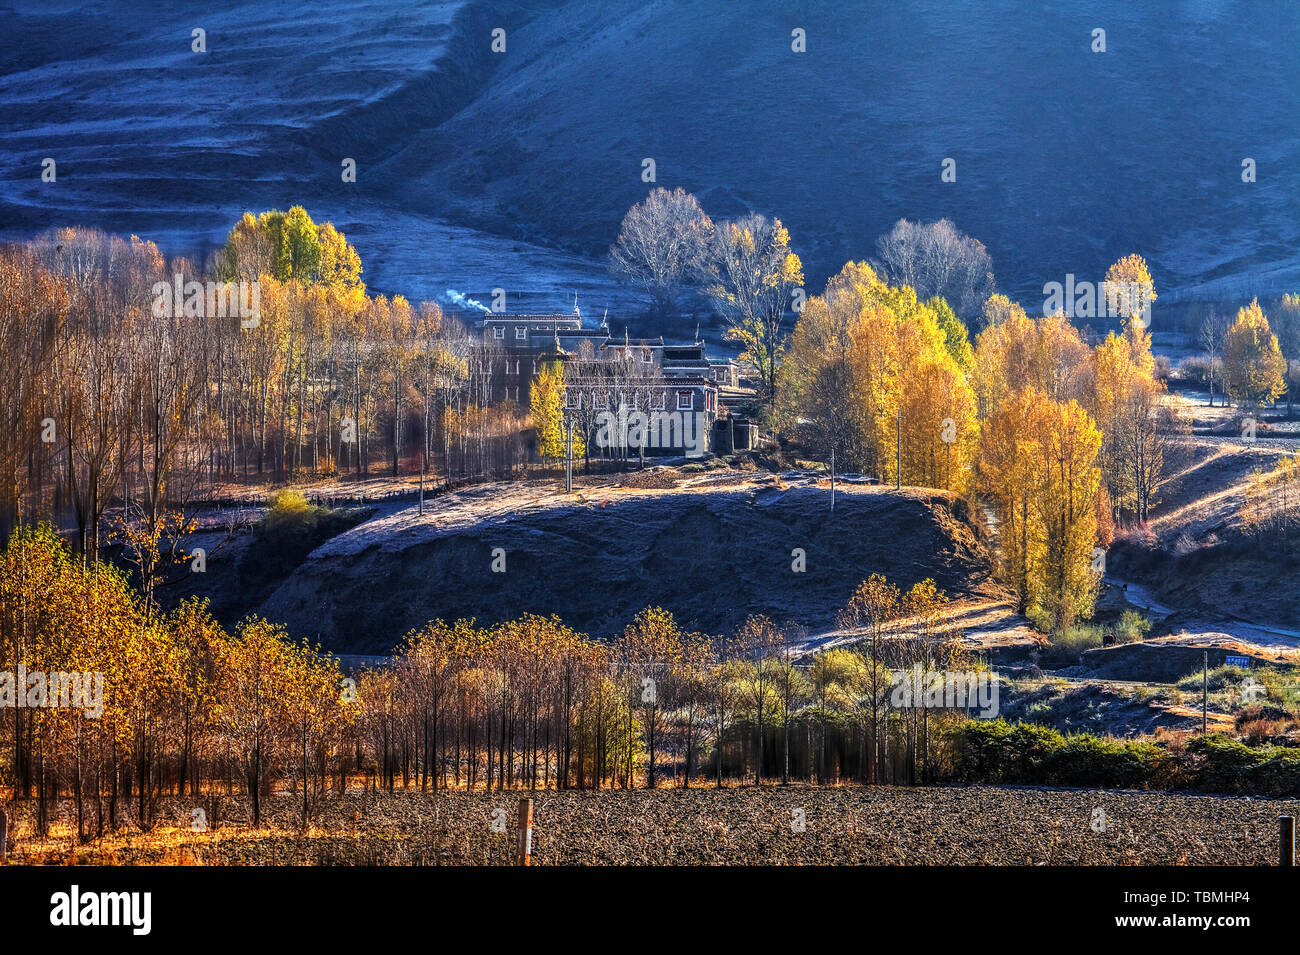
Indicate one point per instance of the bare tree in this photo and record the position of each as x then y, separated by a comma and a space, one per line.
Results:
937, 259
1212, 332
754, 277
662, 245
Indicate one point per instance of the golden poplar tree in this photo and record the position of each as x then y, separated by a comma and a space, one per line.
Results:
1129, 289
1040, 464
1253, 368
547, 398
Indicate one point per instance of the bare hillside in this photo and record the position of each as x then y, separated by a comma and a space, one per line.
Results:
475, 166
1195, 558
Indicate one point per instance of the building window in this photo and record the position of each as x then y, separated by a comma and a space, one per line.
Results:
521, 332
685, 401
658, 402
646, 356
599, 400
498, 331
573, 399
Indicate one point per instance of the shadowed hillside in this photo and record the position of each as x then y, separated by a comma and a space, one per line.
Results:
545, 141
711, 556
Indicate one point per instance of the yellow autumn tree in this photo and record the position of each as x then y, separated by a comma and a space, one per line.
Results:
940, 433
1270, 510
1039, 464
1253, 368
1061, 578
956, 334
652, 648
290, 245
1125, 405
1129, 290
876, 375
547, 406
754, 277
998, 308
1020, 352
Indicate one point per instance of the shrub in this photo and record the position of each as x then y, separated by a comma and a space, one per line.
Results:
1219, 678
1067, 646
1132, 627
1196, 369
1260, 731
288, 505
999, 752
1260, 712
1222, 763
1078, 638
1276, 775
293, 528
1146, 694
1029, 748
1041, 618
980, 750
1087, 760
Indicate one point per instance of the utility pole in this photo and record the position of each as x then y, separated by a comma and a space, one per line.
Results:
524, 834
568, 456
1205, 692
832, 480
898, 451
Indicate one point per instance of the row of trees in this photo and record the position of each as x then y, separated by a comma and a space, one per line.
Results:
667, 245
1062, 439
189, 708
112, 393
183, 703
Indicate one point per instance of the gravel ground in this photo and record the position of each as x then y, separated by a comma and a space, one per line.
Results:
848, 825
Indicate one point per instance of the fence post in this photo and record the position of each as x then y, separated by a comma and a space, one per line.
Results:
1286, 840
525, 844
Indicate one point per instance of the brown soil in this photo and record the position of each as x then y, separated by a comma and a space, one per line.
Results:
849, 825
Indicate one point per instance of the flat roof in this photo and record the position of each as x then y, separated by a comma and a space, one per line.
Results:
539, 317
